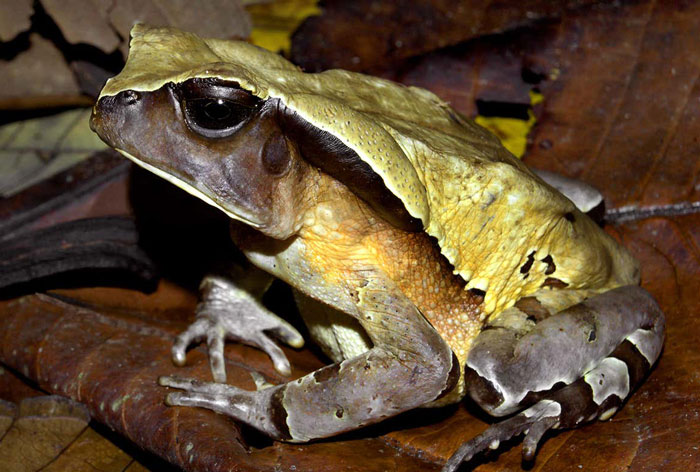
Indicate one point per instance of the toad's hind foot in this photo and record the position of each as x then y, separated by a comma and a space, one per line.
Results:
534, 422
573, 367
567, 407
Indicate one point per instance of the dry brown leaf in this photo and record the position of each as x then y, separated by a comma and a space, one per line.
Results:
90, 452
13, 389
84, 21
365, 34
36, 76
14, 18
211, 19
93, 188
623, 112
136, 467
8, 413
39, 77
43, 427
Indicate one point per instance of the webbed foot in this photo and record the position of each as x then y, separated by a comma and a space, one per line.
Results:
534, 422
255, 408
575, 366
229, 313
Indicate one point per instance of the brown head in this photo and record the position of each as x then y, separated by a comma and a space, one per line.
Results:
216, 141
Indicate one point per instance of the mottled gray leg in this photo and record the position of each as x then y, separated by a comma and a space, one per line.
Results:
227, 312
584, 196
409, 365
575, 366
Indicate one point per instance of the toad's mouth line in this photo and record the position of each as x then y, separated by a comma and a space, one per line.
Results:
237, 215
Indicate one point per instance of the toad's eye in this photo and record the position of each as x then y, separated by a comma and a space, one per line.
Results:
216, 117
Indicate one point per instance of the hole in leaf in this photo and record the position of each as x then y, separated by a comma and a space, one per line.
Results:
503, 109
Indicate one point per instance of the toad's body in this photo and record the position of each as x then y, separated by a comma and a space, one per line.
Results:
341, 245
429, 261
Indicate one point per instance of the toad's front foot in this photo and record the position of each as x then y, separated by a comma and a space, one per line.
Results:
227, 312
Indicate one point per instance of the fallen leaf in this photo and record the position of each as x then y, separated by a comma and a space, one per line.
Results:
90, 452
274, 22
38, 76
8, 413
38, 433
43, 427
623, 112
13, 390
84, 21
367, 34
33, 150
14, 18
108, 244
210, 19
95, 187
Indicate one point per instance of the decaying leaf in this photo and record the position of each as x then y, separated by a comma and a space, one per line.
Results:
376, 34
624, 110
92, 35
13, 390
106, 25
14, 18
274, 22
33, 150
40, 439
89, 452
214, 18
37, 76
94, 188
108, 244
43, 427
8, 412
84, 21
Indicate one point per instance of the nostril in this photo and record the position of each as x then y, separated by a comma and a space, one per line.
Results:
129, 97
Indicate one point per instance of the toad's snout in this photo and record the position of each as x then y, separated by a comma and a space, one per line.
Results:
111, 113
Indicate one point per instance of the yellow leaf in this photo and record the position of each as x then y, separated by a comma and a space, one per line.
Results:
274, 22
512, 132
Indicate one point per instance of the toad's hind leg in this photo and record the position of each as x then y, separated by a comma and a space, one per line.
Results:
573, 367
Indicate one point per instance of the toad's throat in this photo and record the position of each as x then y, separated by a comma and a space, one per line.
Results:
237, 214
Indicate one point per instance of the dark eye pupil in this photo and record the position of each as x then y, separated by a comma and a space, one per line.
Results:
216, 117
216, 109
